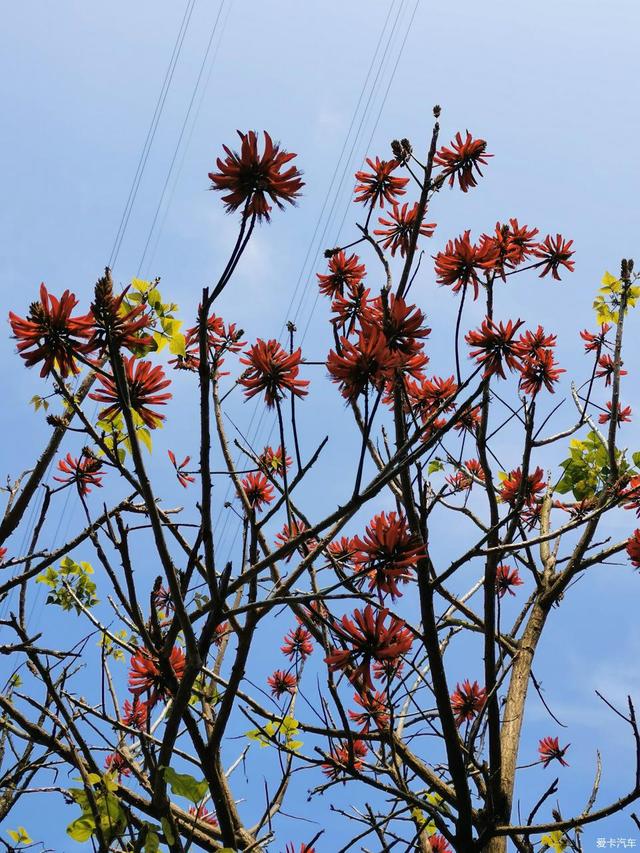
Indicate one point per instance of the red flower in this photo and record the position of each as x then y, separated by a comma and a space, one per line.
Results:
287, 534
399, 228
467, 700
511, 486
633, 549
144, 381
513, 243
469, 420
595, 341
607, 369
220, 340
506, 578
202, 814
340, 759
282, 682
623, 416
83, 472
461, 159
369, 362
258, 490
539, 370
432, 395
343, 550
387, 670
135, 714
145, 675
370, 640
249, 178
270, 461
183, 477
222, 631
350, 309
304, 848
375, 709
343, 271
439, 844
461, 262
3, 551
297, 643
403, 325
494, 343
549, 749
51, 335
555, 252
380, 185
272, 370
388, 553
116, 763
114, 319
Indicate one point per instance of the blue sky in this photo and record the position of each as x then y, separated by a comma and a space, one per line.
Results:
554, 92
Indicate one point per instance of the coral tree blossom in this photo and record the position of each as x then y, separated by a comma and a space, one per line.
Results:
506, 578
467, 700
145, 384
82, 471
258, 490
145, 675
183, 477
396, 235
251, 179
282, 682
462, 262
273, 370
49, 334
461, 159
549, 749
370, 639
343, 272
380, 184
555, 253
633, 548
387, 553
297, 643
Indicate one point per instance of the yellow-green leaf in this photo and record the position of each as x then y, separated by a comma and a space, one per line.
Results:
184, 785
20, 835
555, 841
177, 344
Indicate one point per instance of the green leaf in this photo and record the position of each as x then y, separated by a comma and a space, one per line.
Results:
178, 344
555, 841
168, 833
145, 437
434, 465
81, 829
20, 835
184, 785
152, 841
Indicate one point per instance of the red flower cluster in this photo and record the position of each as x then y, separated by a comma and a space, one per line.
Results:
495, 343
396, 235
512, 484
135, 714
633, 548
145, 382
461, 159
607, 370
117, 763
250, 178
83, 471
258, 490
555, 253
506, 578
115, 320
184, 478
304, 848
462, 262
49, 334
282, 682
297, 644
340, 760
369, 362
202, 814
467, 700
375, 710
549, 749
514, 244
270, 461
370, 639
288, 533
623, 415
380, 184
145, 675
439, 844
343, 272
387, 553
595, 341
220, 340
273, 370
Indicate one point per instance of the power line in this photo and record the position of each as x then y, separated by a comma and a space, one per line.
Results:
182, 130
146, 148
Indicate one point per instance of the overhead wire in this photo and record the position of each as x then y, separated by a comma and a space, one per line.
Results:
151, 132
180, 136
336, 196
